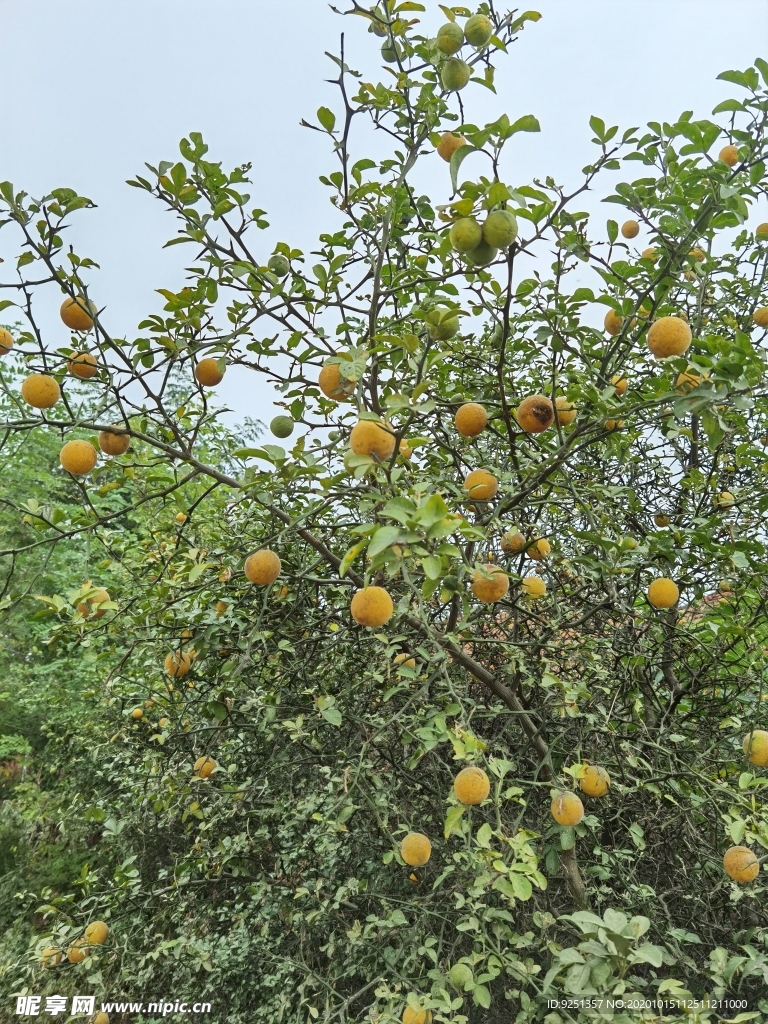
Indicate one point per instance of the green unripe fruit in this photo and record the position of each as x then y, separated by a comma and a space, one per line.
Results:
376, 26
500, 229
442, 330
279, 265
390, 53
282, 426
454, 74
450, 38
482, 255
459, 975
465, 234
334, 435
478, 30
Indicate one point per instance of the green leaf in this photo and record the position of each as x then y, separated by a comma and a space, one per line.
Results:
452, 818
521, 884
526, 123
384, 537
484, 836
332, 715
457, 160
350, 556
326, 118
482, 996
432, 566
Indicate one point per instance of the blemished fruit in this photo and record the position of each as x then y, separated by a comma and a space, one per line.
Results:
741, 864
415, 849
51, 957
595, 781
279, 265
512, 543
207, 372
565, 411
40, 391
663, 592
262, 567
405, 661
500, 229
612, 322
471, 785
465, 234
91, 608
96, 933
450, 38
533, 587
538, 550
478, 30
460, 975
113, 444
630, 229
6, 341
371, 606
729, 155
482, 255
481, 485
137, 713
442, 324
535, 414
669, 336
454, 74
333, 385
370, 438
77, 314
448, 144
661, 520
760, 316
755, 746
725, 500
489, 584
177, 663
82, 365
78, 457
204, 766
761, 232
282, 426
567, 809
619, 384
77, 952
411, 1016
470, 419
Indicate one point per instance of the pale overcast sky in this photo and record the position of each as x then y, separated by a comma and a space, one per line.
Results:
94, 88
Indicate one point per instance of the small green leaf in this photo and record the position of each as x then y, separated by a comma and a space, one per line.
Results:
452, 818
326, 118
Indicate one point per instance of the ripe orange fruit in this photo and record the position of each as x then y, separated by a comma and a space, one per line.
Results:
489, 583
595, 781
760, 316
649, 254
613, 322
51, 957
411, 1016
77, 314
449, 143
137, 713
613, 424
471, 785
565, 411
101, 1018
755, 746
511, 543
761, 232
40, 391
204, 766
619, 384
630, 229
371, 606
481, 485
6, 341
262, 567
724, 500
96, 933
567, 808
729, 155
688, 380
533, 587
415, 849
90, 608
539, 549
113, 444
741, 864
405, 661
77, 952
333, 385
177, 663
371, 438
697, 254
669, 336
78, 457
535, 414
470, 419
207, 372
661, 520
83, 365
663, 593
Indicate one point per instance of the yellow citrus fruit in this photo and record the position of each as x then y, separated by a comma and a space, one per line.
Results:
262, 567
449, 143
613, 322
204, 766
595, 781
465, 234
478, 30
512, 543
535, 414
565, 411
404, 449
96, 933
741, 864
137, 713
470, 419
371, 438
180, 517
649, 254
207, 372
489, 584
78, 457
755, 745
630, 229
411, 1016
40, 391
6, 341
619, 384
454, 74
697, 254
688, 380
533, 587
471, 785
761, 232
162, 723
669, 336
177, 663
567, 808
725, 500
500, 229
663, 593
539, 549
371, 606
51, 957
729, 155
450, 38
481, 485
77, 952
333, 385
405, 661
83, 365
760, 316
90, 609
415, 849
613, 424
101, 1018
77, 314
113, 444
661, 520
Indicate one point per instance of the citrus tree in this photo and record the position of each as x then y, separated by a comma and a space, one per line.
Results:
449, 705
